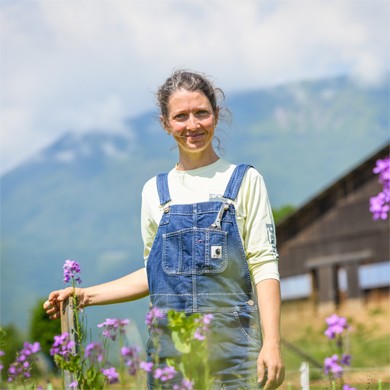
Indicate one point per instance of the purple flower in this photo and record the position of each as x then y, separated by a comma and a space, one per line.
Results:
202, 330
62, 345
198, 335
95, 352
131, 358
1, 354
71, 271
380, 204
73, 384
346, 360
184, 385
383, 168
207, 318
112, 326
336, 325
164, 374
111, 375
146, 366
331, 365
22, 366
153, 314
347, 387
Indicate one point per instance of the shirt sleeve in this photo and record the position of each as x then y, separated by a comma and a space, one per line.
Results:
149, 225
259, 234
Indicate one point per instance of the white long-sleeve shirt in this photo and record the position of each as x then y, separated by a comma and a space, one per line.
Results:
253, 211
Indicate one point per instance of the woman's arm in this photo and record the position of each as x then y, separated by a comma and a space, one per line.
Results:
270, 357
128, 288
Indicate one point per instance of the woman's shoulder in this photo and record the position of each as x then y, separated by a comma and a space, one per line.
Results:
150, 186
252, 171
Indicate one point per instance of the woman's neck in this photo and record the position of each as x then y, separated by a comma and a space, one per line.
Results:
189, 161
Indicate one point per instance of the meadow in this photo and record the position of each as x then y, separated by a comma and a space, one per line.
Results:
367, 341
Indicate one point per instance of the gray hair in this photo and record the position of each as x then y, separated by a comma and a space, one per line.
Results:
189, 81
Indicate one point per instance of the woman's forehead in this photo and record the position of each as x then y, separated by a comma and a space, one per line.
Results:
184, 98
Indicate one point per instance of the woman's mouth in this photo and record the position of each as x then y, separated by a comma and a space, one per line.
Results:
196, 135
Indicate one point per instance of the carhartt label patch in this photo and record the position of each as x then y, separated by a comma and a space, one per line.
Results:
216, 251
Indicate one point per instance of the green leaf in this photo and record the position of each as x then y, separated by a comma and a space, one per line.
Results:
179, 344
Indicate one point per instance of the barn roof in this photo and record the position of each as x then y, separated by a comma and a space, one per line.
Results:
326, 199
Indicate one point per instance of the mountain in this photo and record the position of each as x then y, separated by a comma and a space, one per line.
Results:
80, 198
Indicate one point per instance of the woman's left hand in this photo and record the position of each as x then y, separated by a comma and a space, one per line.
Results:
270, 367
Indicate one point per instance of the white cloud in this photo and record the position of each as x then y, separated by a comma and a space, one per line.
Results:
85, 64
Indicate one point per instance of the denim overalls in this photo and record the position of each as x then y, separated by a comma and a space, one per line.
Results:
197, 264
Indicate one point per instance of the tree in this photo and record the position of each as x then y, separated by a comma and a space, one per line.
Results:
42, 329
10, 342
282, 212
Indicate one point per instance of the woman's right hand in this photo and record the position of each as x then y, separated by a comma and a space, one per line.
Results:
52, 305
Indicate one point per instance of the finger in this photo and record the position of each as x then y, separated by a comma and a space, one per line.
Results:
271, 380
261, 373
275, 378
55, 316
270, 384
46, 305
59, 296
53, 295
66, 293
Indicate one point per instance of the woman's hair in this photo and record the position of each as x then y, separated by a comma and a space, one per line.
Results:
189, 81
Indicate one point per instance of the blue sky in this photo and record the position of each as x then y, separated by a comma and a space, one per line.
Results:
87, 64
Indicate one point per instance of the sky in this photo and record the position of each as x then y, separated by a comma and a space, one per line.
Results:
82, 65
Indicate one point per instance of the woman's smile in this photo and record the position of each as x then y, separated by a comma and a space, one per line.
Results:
191, 121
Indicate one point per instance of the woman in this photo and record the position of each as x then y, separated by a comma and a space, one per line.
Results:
209, 245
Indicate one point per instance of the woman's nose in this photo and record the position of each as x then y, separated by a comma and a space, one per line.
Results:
192, 123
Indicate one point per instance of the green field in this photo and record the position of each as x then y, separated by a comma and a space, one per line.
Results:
368, 341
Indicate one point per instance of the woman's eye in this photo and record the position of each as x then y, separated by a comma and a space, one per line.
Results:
202, 113
180, 117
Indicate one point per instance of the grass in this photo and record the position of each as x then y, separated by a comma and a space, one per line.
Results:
368, 342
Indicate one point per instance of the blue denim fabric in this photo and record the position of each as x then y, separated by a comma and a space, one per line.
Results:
197, 264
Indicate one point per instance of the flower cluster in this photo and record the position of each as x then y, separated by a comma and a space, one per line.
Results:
94, 352
131, 357
71, 271
1, 364
21, 368
184, 385
163, 374
334, 365
113, 326
380, 204
111, 375
201, 331
154, 314
62, 345
336, 326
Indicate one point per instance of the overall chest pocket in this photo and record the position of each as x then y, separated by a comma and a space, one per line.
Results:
195, 251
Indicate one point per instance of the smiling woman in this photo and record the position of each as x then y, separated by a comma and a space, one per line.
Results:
209, 249
189, 112
192, 122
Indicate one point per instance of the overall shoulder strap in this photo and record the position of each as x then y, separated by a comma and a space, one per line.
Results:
162, 188
235, 181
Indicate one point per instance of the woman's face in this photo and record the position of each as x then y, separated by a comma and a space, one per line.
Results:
191, 121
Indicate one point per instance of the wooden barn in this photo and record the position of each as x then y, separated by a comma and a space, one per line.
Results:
331, 249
